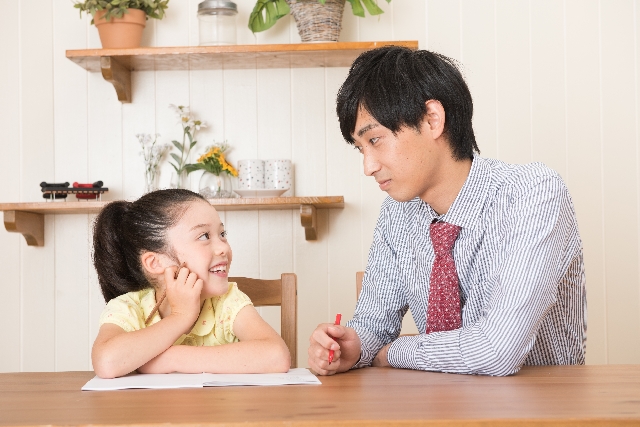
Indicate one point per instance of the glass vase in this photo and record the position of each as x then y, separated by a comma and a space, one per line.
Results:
179, 180
215, 186
150, 180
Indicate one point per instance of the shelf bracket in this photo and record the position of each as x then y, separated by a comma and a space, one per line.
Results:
118, 75
308, 221
31, 225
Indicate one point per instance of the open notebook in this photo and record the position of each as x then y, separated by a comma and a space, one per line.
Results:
294, 376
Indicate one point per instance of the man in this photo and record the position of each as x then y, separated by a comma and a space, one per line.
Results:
505, 283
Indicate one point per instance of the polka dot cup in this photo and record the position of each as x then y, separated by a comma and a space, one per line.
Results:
278, 174
251, 174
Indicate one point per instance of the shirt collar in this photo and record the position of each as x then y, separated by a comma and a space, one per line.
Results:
466, 207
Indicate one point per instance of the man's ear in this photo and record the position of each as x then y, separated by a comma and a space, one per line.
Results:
153, 263
435, 118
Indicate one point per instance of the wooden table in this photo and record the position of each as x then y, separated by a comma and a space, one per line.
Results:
561, 396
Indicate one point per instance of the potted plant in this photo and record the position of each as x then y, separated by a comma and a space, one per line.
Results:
120, 22
317, 20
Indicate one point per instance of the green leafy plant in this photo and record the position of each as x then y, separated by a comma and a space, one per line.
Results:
267, 12
117, 8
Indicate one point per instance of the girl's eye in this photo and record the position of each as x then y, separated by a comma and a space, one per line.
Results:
204, 236
224, 234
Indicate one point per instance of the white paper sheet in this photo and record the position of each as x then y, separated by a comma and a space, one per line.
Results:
163, 381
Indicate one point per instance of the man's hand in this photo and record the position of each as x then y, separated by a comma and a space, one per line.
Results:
381, 358
344, 342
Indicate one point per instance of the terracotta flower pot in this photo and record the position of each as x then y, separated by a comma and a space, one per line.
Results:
121, 32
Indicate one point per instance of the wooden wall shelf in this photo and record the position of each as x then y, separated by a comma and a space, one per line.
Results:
116, 64
28, 218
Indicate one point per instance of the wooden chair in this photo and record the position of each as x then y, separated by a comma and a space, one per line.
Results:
281, 292
359, 277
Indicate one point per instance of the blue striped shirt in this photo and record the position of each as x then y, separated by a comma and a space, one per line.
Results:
520, 265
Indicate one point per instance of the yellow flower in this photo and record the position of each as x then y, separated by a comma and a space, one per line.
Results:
206, 155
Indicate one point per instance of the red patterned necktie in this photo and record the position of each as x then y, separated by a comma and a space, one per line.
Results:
443, 312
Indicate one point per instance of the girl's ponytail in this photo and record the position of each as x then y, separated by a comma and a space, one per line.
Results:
123, 231
110, 252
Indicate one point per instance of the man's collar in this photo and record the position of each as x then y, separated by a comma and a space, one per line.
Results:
467, 205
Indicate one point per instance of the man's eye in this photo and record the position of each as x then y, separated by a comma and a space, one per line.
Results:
357, 148
204, 236
373, 140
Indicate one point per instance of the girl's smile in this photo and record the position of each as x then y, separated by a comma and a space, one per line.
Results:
219, 270
199, 239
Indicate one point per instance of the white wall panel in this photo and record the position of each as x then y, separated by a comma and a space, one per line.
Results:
479, 61
379, 27
552, 81
408, 18
585, 146
350, 26
37, 165
308, 132
343, 177
548, 100
310, 264
444, 28
95, 301
274, 142
139, 117
513, 81
10, 172
72, 242
620, 163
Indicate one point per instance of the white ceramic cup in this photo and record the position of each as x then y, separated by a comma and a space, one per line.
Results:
278, 174
251, 174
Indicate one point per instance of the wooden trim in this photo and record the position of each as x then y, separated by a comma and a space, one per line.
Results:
32, 228
359, 277
118, 75
281, 292
295, 55
31, 225
289, 315
237, 204
308, 221
116, 65
567, 396
262, 292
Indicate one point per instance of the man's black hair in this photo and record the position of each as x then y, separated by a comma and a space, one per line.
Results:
393, 83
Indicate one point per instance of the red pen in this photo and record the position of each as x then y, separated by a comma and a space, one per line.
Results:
337, 322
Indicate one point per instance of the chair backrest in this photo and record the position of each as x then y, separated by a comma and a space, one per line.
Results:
359, 276
282, 292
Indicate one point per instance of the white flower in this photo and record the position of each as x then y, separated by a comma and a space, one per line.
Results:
176, 110
198, 124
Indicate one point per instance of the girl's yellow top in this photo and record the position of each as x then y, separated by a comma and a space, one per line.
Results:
213, 327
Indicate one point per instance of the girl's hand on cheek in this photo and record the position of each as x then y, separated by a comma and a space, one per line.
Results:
183, 293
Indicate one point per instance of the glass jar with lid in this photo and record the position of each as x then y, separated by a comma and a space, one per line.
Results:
217, 22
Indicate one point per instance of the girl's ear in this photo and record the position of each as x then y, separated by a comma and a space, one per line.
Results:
153, 263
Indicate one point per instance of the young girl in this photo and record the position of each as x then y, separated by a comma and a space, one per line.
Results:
163, 264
